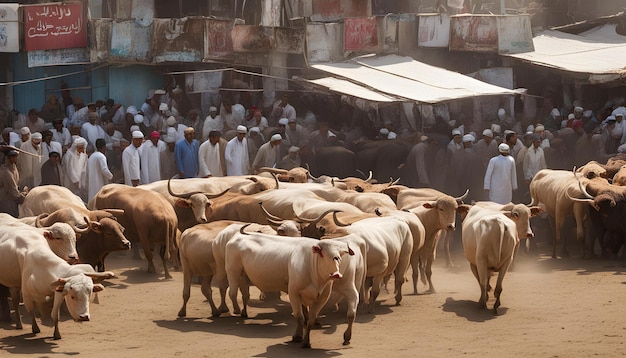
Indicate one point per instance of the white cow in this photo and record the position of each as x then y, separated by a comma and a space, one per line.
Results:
196, 256
17, 239
304, 268
490, 241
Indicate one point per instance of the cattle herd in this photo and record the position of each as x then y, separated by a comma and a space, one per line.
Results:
320, 240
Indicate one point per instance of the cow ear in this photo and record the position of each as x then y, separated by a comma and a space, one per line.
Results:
428, 205
183, 203
98, 287
58, 285
511, 215
535, 210
350, 252
318, 250
358, 189
48, 235
96, 227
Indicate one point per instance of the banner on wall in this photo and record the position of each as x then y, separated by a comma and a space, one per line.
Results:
54, 26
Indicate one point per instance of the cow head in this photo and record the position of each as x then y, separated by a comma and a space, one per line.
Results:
77, 292
592, 170
446, 207
62, 241
321, 226
109, 233
521, 214
328, 254
197, 201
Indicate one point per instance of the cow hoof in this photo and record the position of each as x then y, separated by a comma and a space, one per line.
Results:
182, 313
306, 345
346, 343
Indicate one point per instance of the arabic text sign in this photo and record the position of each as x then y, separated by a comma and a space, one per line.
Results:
54, 26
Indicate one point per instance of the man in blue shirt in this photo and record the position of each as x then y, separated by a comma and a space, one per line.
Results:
186, 155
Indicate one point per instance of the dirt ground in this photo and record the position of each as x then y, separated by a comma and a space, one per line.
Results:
550, 308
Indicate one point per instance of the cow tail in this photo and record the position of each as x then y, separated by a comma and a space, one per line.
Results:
502, 231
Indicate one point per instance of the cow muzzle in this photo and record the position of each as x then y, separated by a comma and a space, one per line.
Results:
336, 275
82, 319
73, 260
451, 227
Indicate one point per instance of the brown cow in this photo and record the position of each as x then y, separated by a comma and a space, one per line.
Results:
148, 218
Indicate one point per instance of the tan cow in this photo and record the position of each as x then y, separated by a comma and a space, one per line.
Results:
551, 188
490, 241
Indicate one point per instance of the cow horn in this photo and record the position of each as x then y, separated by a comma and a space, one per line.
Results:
184, 196
39, 217
308, 169
98, 277
276, 180
275, 220
578, 199
114, 212
369, 179
462, 197
337, 222
213, 196
243, 228
394, 182
315, 221
584, 190
273, 170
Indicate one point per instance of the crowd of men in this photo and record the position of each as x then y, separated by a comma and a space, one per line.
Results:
500, 165
83, 147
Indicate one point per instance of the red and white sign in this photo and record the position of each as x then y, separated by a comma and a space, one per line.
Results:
54, 26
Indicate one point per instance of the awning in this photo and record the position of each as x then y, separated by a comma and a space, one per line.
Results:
404, 79
599, 52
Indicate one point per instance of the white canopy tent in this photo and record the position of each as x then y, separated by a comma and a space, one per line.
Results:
599, 52
402, 79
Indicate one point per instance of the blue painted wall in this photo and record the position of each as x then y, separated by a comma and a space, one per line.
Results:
129, 85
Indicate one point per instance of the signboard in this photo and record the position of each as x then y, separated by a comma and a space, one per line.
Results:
217, 42
9, 28
130, 41
336, 10
491, 33
250, 38
433, 30
180, 40
54, 26
360, 34
63, 56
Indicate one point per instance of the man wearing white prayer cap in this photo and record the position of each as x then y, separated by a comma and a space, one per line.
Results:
236, 155
291, 160
131, 160
268, 154
501, 176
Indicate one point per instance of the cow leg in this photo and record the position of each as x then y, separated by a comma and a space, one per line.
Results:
314, 310
376, 281
15, 300
162, 253
29, 304
296, 308
5, 311
367, 285
244, 287
234, 271
352, 298
187, 277
483, 279
147, 250
558, 225
205, 287
429, 273
415, 268
501, 273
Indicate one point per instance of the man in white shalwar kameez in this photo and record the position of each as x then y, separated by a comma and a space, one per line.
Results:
131, 160
211, 156
98, 173
30, 166
236, 155
150, 155
501, 177
91, 131
75, 165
